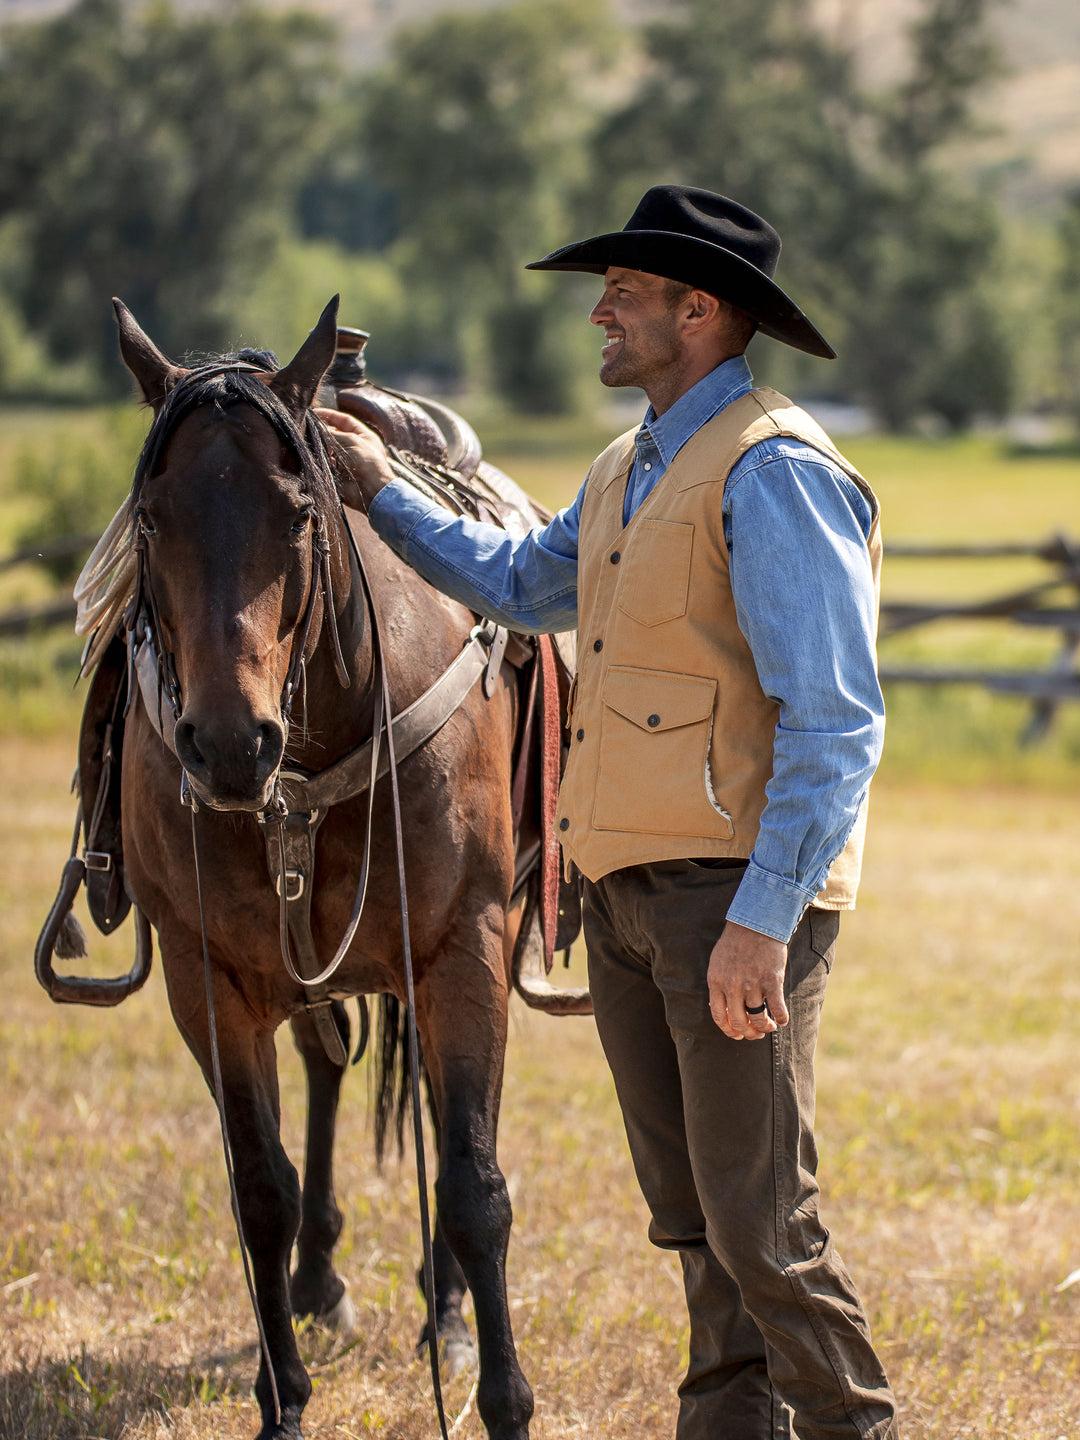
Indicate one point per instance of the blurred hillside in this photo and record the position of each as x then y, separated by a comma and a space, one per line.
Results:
1035, 106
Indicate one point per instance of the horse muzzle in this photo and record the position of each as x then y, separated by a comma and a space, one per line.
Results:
230, 767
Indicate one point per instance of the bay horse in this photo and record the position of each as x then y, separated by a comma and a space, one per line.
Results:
251, 585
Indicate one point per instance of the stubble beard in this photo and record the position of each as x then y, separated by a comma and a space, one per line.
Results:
653, 351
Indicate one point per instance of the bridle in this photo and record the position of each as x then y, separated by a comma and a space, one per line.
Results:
144, 606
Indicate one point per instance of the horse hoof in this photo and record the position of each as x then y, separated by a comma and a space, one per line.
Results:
457, 1353
342, 1317
289, 1429
459, 1357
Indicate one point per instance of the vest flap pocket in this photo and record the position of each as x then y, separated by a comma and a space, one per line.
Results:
658, 700
655, 579
652, 775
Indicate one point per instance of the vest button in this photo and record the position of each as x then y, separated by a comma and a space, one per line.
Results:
647, 465
654, 720
564, 824
598, 645
581, 734
615, 557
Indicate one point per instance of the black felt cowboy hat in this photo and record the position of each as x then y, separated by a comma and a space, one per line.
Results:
707, 241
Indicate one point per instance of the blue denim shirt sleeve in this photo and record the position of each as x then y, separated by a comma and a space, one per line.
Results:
804, 597
528, 584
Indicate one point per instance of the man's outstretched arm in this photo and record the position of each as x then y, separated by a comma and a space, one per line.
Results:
528, 584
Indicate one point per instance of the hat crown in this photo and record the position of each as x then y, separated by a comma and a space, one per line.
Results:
703, 215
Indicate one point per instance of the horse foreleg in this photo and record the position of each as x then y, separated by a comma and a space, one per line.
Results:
267, 1187
463, 1024
315, 1288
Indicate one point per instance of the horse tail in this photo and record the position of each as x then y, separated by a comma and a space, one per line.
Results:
393, 1093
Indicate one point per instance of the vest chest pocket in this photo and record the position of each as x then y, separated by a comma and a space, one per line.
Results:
656, 572
654, 751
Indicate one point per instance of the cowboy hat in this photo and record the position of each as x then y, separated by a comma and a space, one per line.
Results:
709, 242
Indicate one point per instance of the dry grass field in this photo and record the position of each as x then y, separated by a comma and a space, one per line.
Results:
949, 1120
949, 1112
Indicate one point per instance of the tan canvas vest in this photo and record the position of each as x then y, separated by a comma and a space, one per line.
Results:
671, 733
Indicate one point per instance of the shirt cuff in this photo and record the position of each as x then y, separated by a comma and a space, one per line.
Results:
396, 511
769, 904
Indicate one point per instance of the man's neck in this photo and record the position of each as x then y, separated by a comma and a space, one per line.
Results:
675, 380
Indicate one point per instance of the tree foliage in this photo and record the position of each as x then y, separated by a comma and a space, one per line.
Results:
477, 127
1069, 311
750, 99
191, 160
746, 98
153, 155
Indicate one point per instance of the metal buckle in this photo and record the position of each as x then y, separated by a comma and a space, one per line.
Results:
292, 878
97, 860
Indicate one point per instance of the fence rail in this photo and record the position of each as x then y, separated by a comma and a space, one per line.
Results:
1047, 688
59, 609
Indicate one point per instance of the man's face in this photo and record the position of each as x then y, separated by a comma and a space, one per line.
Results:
639, 319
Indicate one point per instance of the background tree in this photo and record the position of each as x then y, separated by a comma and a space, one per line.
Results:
476, 127
1069, 304
750, 99
924, 333
152, 155
887, 251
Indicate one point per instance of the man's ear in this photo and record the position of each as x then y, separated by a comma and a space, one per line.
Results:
155, 375
700, 309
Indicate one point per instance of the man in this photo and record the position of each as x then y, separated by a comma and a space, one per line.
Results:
721, 567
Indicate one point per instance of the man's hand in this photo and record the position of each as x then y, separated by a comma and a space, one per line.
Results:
364, 455
746, 968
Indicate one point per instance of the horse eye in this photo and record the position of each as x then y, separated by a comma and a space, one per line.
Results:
144, 522
301, 523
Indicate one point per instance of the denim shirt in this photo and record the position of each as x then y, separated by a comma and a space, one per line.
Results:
787, 510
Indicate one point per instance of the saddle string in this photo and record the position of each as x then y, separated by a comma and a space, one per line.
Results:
219, 1097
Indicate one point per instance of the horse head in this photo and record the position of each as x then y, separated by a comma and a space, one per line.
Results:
240, 541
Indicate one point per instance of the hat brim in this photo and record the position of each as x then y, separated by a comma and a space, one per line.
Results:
705, 266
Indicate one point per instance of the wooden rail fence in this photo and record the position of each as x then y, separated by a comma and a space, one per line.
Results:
1028, 607
60, 610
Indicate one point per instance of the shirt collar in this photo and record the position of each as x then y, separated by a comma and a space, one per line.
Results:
670, 432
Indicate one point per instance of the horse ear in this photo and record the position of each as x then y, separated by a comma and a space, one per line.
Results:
156, 375
297, 383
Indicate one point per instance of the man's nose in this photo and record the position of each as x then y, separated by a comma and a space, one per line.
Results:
601, 312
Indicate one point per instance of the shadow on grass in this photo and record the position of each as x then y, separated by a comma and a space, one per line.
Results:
109, 1389
104, 1388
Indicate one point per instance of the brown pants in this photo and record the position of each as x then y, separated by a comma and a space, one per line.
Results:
721, 1134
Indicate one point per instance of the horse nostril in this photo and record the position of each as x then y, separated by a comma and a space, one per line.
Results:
270, 745
186, 746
